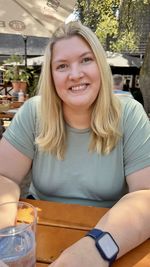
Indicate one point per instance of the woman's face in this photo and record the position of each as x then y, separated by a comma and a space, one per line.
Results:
75, 73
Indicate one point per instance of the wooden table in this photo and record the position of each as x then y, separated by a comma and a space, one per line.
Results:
14, 107
6, 115
60, 225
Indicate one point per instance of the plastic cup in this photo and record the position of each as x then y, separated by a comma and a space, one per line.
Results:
17, 234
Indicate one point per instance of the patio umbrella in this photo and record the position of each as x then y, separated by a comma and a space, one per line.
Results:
33, 17
121, 60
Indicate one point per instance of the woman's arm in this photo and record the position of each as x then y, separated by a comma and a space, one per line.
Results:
13, 168
127, 221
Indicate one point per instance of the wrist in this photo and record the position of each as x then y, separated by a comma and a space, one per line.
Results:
93, 252
105, 245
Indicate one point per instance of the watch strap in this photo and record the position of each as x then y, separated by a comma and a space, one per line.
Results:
95, 233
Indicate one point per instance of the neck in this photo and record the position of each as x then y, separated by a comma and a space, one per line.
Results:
77, 118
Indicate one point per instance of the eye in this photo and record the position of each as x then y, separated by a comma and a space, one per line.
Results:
62, 67
87, 59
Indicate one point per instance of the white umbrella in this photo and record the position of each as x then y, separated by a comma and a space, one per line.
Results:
33, 17
121, 60
35, 61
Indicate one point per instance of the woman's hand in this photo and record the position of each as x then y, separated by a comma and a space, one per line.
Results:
82, 253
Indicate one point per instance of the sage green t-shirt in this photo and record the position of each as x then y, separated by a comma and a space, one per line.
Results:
83, 177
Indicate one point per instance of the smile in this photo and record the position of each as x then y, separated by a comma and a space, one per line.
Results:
78, 88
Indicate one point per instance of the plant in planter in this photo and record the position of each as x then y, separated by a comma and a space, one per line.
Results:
22, 80
15, 73
18, 75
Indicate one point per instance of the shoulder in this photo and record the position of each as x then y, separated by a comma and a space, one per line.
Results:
28, 112
31, 106
129, 104
133, 113
33, 101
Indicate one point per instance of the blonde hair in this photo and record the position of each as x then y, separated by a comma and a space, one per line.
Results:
105, 116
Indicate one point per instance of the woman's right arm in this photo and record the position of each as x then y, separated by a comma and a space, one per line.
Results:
13, 168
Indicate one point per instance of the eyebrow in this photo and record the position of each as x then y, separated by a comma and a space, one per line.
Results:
57, 61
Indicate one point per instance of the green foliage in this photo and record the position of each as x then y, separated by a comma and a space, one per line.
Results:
126, 42
130, 24
115, 22
89, 13
14, 59
16, 73
33, 81
13, 70
107, 30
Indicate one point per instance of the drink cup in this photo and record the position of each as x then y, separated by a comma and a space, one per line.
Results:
17, 234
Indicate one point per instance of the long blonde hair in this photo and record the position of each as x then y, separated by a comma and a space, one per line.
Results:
105, 117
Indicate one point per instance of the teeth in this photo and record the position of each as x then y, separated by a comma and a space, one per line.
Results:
78, 87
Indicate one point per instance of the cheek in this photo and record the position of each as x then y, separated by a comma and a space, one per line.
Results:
58, 81
58, 89
59, 85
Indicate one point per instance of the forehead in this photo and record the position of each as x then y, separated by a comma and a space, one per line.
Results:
70, 45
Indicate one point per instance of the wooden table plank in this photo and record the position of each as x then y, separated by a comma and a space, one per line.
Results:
39, 264
54, 240
138, 257
67, 215
60, 225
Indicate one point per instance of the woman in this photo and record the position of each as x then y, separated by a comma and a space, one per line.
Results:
83, 145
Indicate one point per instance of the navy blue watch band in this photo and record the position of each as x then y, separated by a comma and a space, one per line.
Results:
95, 233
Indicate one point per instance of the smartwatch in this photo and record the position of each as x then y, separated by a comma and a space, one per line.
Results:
105, 244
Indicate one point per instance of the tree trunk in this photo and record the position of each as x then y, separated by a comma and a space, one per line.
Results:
144, 78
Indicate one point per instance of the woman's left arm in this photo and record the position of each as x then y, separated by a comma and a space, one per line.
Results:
127, 221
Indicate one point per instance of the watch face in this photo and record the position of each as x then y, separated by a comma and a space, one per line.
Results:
107, 246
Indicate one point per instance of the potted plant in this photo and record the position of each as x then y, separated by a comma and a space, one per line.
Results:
22, 80
15, 73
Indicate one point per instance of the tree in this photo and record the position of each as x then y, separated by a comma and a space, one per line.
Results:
121, 27
107, 28
101, 17
116, 22
135, 17
105, 19
89, 13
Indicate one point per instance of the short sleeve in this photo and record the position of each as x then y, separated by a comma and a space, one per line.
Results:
22, 130
136, 137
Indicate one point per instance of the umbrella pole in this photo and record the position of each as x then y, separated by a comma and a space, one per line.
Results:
25, 49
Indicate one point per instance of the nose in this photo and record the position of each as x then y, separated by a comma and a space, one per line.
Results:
75, 73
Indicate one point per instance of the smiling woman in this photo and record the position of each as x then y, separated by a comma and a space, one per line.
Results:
83, 144
76, 59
